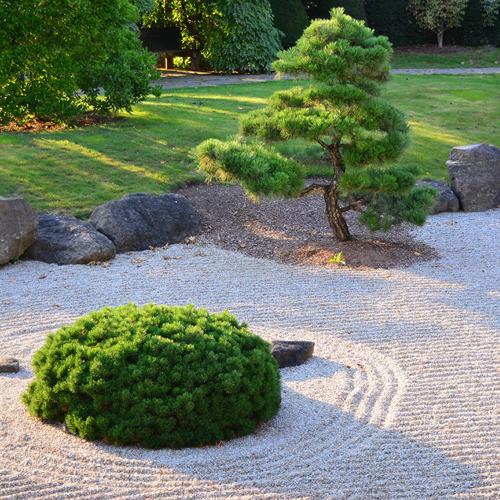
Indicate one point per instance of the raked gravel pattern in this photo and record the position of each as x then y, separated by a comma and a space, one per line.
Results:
400, 401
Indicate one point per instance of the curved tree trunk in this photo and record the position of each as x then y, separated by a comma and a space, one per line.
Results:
334, 214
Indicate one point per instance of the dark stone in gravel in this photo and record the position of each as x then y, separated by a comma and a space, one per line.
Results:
291, 353
64, 240
140, 221
9, 364
447, 201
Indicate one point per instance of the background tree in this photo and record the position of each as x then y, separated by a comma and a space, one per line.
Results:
51, 50
290, 18
244, 38
234, 35
193, 18
340, 111
438, 15
489, 9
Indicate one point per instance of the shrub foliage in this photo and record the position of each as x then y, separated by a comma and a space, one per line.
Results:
56, 57
233, 35
159, 376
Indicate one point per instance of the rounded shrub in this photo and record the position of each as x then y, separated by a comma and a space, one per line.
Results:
155, 375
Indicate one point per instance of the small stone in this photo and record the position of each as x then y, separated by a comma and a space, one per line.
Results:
291, 353
9, 364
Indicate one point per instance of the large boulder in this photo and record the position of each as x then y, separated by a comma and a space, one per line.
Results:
475, 176
18, 227
140, 221
63, 240
447, 201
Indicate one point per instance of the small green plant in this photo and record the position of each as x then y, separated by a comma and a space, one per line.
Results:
338, 259
157, 91
158, 376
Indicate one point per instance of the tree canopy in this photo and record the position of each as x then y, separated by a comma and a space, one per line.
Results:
233, 35
341, 111
58, 59
438, 15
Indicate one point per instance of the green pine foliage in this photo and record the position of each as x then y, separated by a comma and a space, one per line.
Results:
290, 18
157, 376
341, 111
56, 58
261, 171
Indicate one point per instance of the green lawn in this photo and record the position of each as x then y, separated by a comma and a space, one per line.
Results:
474, 58
72, 171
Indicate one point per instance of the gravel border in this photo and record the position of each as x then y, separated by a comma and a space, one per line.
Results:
400, 399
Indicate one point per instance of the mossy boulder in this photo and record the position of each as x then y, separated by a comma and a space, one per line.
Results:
155, 375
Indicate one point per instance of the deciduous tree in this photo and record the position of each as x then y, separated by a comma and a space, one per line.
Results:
58, 59
438, 15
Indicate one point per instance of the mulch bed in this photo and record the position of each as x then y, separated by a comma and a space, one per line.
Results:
295, 231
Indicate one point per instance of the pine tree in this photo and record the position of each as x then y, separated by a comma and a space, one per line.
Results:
340, 111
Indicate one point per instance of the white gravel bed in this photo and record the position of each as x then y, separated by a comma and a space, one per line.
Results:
400, 401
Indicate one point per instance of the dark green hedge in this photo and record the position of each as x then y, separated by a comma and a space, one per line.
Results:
320, 9
393, 19
289, 17
157, 376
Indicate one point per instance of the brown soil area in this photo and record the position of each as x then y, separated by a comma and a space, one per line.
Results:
85, 120
295, 231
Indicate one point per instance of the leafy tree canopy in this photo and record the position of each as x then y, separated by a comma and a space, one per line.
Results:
438, 15
234, 35
342, 112
55, 57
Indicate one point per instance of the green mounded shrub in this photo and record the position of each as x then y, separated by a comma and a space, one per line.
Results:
155, 375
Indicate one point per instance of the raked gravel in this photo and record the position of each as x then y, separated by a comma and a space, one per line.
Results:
400, 401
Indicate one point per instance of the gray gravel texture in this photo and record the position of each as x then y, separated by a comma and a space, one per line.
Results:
399, 401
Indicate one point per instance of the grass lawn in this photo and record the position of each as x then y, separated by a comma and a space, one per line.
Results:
72, 171
473, 58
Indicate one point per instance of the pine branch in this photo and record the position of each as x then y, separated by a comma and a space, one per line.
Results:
313, 189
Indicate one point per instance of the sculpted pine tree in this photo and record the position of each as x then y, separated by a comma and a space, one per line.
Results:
339, 111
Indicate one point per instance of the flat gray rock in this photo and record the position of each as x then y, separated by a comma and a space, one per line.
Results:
18, 227
139, 221
291, 353
8, 364
475, 176
447, 201
64, 240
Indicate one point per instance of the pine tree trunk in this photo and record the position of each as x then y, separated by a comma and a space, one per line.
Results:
333, 213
